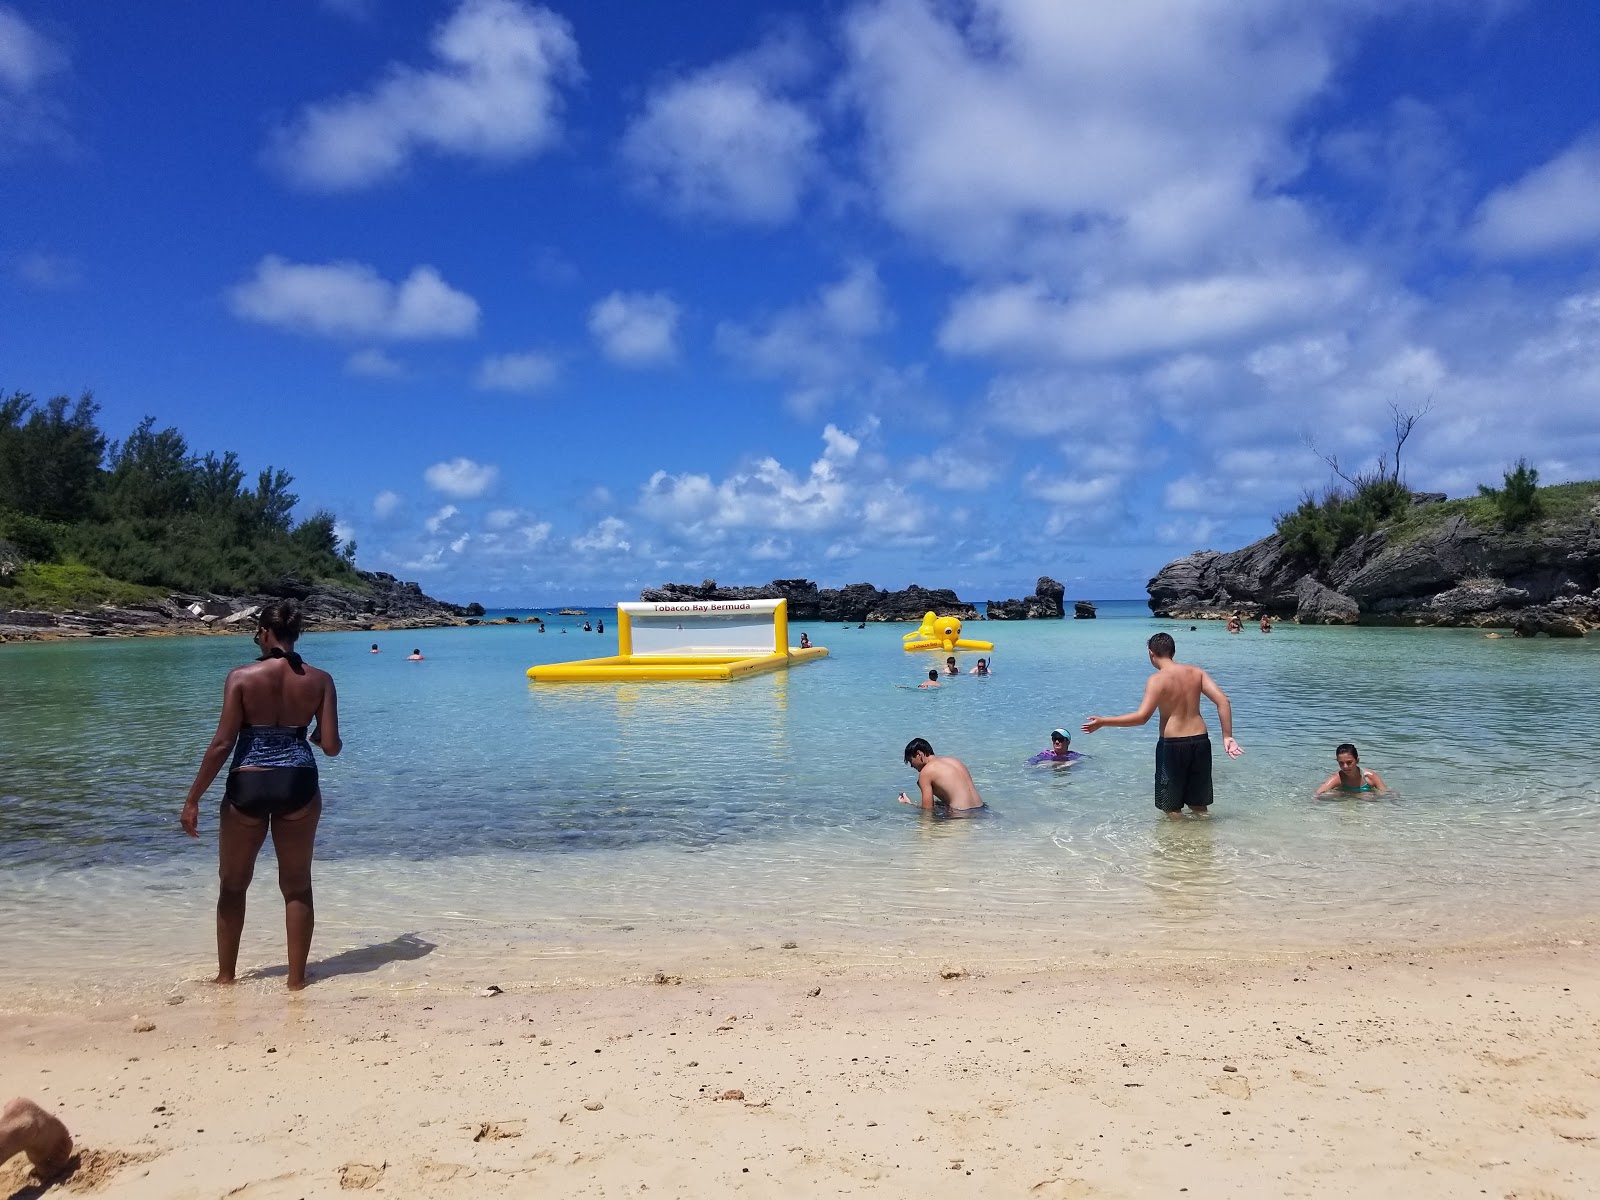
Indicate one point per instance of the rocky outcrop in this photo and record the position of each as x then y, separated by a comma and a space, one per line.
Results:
1318, 604
384, 602
1542, 579
854, 603
1044, 605
1082, 610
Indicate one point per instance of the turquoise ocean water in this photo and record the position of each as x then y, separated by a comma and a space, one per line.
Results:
587, 829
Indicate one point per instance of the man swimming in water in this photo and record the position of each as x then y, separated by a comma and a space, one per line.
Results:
950, 667
1350, 777
931, 681
982, 668
1060, 753
943, 781
1183, 751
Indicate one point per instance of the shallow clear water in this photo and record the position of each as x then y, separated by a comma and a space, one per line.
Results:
491, 817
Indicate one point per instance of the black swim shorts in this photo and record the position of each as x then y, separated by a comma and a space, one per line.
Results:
1183, 772
272, 791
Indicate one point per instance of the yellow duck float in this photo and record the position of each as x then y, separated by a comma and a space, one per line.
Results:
942, 633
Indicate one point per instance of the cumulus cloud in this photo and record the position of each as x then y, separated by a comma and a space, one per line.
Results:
373, 363
461, 478
817, 346
29, 115
962, 468
386, 503
351, 300
1090, 133
493, 94
726, 141
1024, 321
636, 329
608, 536
1554, 207
530, 371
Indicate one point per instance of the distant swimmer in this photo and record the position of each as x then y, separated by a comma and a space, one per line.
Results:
588, 628
1351, 777
1235, 624
25, 1128
863, 625
1183, 751
272, 783
1060, 753
374, 649
982, 668
1266, 624
600, 627
805, 641
950, 667
943, 781
932, 681
416, 655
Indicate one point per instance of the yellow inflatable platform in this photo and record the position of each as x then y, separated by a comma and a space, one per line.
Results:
695, 640
942, 633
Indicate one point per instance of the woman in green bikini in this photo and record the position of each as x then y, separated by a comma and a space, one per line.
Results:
1350, 777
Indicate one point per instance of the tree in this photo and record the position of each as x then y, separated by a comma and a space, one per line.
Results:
50, 462
1518, 501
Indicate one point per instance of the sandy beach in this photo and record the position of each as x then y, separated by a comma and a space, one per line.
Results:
1465, 1073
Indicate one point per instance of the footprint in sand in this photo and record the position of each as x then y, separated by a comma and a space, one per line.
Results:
1236, 1087
358, 1177
1062, 1189
439, 1172
497, 1131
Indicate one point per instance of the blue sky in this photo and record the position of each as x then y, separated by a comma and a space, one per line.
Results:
557, 302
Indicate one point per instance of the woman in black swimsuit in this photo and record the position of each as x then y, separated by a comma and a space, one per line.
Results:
272, 783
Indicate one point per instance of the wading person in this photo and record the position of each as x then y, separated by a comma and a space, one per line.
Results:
941, 781
272, 783
1183, 751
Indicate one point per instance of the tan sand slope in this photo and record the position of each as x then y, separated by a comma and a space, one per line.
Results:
1455, 1076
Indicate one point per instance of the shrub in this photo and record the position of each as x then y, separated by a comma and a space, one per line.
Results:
1319, 530
1517, 502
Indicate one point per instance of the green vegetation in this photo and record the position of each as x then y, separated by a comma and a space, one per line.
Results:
115, 521
67, 585
1319, 530
1518, 501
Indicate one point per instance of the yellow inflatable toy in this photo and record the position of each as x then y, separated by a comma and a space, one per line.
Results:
942, 633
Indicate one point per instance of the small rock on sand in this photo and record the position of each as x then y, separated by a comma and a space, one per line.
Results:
494, 989
663, 978
952, 972
144, 1026
593, 1105
816, 991
790, 946
732, 1094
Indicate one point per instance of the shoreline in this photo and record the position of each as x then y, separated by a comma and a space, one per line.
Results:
1432, 1075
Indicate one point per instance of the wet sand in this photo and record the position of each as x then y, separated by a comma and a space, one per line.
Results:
1461, 1074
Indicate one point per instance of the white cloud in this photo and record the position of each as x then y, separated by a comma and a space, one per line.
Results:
1023, 320
959, 468
386, 503
49, 272
441, 518
373, 363
608, 536
725, 141
351, 300
461, 478
29, 116
1554, 207
1087, 133
492, 94
636, 329
818, 346
527, 372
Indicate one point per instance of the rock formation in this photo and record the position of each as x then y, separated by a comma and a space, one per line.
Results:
385, 603
1082, 610
854, 603
1044, 604
1541, 579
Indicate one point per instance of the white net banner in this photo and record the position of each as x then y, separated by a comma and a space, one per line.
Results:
711, 627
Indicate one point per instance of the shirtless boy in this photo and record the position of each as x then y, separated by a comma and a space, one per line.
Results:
942, 780
1183, 751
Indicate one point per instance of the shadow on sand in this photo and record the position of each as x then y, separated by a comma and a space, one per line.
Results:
408, 947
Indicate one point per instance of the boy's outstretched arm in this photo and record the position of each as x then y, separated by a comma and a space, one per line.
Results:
1139, 716
1217, 696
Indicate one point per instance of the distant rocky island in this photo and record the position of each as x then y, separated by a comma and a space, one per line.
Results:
380, 602
858, 602
1443, 562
